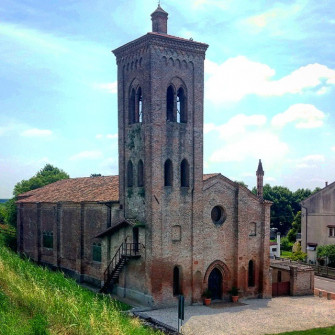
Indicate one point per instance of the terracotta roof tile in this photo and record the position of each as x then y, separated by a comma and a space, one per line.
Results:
209, 175
96, 189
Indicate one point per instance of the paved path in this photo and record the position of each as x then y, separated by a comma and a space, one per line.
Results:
256, 317
326, 284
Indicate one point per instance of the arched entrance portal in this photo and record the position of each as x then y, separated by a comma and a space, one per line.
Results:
215, 283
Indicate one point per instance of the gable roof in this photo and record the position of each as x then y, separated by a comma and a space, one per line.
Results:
229, 181
317, 193
89, 189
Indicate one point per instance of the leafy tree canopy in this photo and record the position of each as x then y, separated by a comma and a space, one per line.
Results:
286, 205
326, 251
49, 174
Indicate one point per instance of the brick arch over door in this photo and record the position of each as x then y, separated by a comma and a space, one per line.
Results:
226, 275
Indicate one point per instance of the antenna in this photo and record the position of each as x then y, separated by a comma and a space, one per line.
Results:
159, 2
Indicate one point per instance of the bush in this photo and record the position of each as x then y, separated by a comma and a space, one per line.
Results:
285, 244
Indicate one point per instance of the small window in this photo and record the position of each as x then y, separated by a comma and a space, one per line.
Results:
279, 277
184, 174
96, 252
48, 239
252, 229
170, 104
218, 215
139, 116
140, 179
181, 106
176, 281
168, 173
331, 232
251, 274
130, 174
132, 107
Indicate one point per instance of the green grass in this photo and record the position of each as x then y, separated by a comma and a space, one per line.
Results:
37, 301
316, 331
285, 254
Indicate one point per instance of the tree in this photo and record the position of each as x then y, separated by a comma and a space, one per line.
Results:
286, 205
326, 252
2, 213
296, 227
297, 254
49, 174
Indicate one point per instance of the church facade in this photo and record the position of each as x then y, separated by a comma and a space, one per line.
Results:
169, 229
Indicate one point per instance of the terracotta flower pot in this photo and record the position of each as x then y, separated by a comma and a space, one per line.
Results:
235, 298
207, 301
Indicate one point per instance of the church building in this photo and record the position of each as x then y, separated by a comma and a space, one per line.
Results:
162, 227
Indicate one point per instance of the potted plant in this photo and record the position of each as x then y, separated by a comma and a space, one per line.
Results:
207, 296
234, 293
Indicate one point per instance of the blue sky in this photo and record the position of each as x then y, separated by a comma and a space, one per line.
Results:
269, 85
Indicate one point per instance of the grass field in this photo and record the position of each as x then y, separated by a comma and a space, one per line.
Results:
34, 300
285, 254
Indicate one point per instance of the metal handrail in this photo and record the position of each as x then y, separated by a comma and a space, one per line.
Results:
125, 249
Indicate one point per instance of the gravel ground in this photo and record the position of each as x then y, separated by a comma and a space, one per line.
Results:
253, 317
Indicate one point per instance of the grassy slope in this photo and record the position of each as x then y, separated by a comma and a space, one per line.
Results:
34, 300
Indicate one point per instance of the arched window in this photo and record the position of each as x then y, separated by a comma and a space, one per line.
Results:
181, 106
130, 174
251, 274
184, 174
170, 104
176, 281
132, 107
140, 179
139, 114
168, 173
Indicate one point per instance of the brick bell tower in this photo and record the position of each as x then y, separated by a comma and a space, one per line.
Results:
160, 125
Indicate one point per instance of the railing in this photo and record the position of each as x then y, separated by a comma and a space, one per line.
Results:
324, 271
125, 250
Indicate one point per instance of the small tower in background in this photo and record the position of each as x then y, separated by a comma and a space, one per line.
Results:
260, 175
159, 20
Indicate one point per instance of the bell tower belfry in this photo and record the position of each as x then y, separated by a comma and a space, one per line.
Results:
160, 126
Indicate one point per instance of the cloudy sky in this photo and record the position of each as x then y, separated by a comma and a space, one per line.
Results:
269, 85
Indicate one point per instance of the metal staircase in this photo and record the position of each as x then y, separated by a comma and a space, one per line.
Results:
125, 252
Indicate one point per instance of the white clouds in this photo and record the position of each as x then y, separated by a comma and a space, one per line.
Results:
87, 155
239, 76
34, 132
310, 161
109, 87
112, 136
305, 116
108, 136
236, 125
255, 145
333, 148
274, 17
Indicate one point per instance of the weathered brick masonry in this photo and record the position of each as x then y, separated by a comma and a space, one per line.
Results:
197, 230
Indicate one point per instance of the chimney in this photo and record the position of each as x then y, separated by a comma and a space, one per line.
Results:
326, 183
278, 244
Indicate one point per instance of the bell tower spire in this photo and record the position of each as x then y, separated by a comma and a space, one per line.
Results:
159, 20
260, 175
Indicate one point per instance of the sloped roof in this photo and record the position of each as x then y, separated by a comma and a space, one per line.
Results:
220, 176
329, 186
89, 189
96, 189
